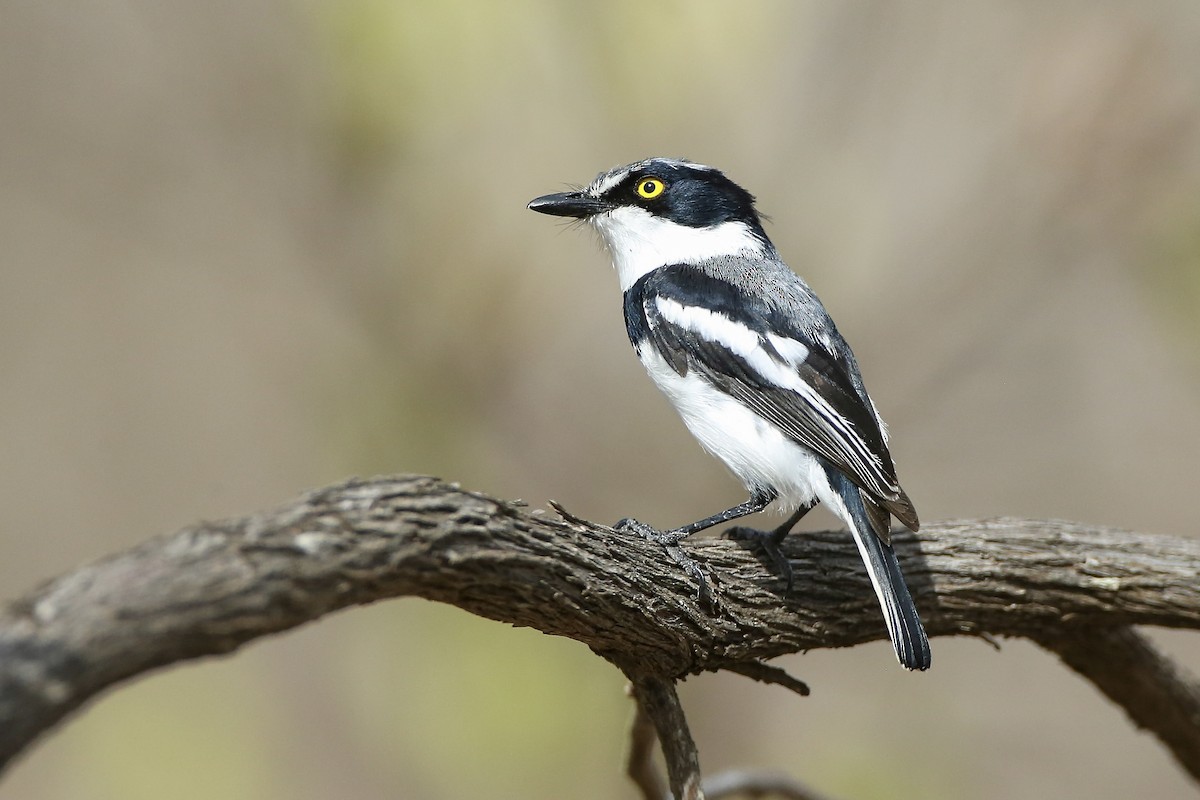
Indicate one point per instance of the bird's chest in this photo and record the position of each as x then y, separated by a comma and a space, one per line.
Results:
754, 449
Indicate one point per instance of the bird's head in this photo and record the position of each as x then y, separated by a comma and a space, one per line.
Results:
662, 211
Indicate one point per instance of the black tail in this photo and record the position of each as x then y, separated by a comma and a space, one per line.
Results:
899, 611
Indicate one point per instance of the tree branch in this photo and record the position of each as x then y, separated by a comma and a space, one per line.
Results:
639, 765
1134, 675
741, 783
731, 783
658, 702
212, 587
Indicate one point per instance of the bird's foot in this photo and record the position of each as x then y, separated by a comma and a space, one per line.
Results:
769, 543
669, 541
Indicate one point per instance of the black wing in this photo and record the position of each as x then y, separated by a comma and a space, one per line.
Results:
822, 410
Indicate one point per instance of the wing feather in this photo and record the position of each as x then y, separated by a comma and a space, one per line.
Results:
786, 376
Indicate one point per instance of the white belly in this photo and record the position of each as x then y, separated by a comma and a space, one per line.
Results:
754, 449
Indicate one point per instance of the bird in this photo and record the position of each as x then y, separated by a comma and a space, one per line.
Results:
755, 366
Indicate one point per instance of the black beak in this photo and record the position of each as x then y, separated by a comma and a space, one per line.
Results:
569, 204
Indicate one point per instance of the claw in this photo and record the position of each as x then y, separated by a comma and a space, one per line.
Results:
669, 541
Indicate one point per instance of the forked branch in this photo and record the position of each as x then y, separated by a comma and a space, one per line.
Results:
212, 587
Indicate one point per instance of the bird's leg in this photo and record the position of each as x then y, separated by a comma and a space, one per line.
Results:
670, 543
669, 540
769, 541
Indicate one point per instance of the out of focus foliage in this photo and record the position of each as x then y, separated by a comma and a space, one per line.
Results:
253, 248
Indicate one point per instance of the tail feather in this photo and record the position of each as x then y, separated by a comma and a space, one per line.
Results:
899, 612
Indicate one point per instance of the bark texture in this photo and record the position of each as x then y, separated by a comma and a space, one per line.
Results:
212, 587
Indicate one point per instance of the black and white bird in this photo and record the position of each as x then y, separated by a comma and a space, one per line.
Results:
753, 363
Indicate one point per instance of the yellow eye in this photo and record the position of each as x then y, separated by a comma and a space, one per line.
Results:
650, 188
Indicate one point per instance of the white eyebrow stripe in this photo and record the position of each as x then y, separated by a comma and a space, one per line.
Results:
610, 179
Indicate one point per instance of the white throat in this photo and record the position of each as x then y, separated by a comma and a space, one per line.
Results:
641, 242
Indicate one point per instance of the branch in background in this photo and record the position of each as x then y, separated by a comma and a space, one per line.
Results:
213, 587
639, 764
732, 783
765, 673
740, 783
658, 702
1155, 694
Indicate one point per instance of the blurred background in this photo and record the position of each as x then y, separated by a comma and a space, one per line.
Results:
254, 247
